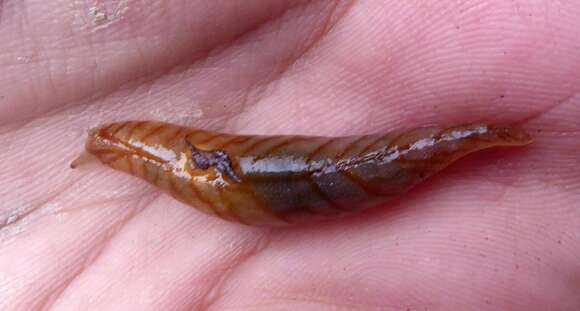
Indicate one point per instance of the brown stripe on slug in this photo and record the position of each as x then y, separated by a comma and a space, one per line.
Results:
280, 180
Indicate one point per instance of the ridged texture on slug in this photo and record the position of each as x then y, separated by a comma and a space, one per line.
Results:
278, 180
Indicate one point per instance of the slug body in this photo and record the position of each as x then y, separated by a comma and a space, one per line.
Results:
279, 180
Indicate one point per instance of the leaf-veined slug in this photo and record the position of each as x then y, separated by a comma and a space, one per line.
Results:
278, 180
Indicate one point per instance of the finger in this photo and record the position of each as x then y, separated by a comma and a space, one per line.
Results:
60, 52
387, 66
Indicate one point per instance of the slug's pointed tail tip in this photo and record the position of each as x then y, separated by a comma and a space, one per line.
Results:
83, 159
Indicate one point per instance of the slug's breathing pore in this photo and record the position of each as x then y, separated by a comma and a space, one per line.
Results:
280, 180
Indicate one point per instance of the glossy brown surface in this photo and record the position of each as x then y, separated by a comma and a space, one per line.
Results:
278, 180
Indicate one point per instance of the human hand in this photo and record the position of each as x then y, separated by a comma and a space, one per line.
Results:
497, 231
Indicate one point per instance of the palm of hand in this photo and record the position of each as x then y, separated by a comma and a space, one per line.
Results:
497, 231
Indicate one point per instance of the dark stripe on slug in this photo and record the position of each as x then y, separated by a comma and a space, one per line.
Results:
392, 146
318, 150
406, 159
107, 127
332, 204
188, 194
273, 149
127, 163
155, 130
345, 193
211, 206
229, 213
181, 190
443, 131
361, 183
220, 145
395, 142
220, 200
234, 139
207, 140
143, 168
191, 136
124, 127
258, 142
134, 128
170, 185
119, 127
170, 141
247, 189
348, 148
370, 146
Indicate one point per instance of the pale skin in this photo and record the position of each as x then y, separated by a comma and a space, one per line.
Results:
497, 231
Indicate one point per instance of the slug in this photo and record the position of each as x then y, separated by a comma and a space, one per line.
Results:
281, 180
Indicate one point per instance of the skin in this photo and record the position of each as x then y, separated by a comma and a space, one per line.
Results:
497, 231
